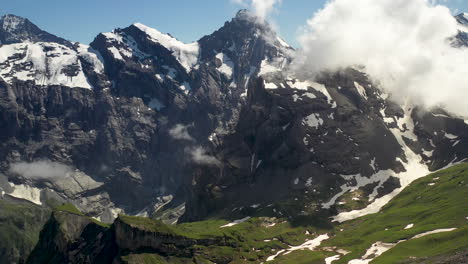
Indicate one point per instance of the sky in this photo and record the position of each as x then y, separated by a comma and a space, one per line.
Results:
187, 20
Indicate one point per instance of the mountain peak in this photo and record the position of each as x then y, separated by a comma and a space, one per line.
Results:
11, 23
462, 18
16, 29
244, 14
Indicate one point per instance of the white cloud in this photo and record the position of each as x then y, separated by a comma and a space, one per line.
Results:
261, 8
43, 169
199, 155
403, 45
180, 132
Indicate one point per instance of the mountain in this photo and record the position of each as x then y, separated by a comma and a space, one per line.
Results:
462, 37
107, 110
140, 123
410, 229
15, 29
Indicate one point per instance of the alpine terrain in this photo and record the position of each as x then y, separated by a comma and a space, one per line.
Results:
139, 148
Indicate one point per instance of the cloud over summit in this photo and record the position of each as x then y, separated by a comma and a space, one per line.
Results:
404, 45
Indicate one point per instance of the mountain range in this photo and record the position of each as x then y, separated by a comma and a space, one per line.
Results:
139, 123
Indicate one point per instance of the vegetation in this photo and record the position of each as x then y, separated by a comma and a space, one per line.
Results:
20, 225
436, 201
70, 208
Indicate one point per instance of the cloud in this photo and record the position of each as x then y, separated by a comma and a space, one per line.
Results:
199, 155
43, 169
261, 8
180, 132
404, 45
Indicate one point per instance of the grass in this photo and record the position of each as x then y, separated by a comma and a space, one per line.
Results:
71, 209
426, 247
428, 207
250, 241
20, 225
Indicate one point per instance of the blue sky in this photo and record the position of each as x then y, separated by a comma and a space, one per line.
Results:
188, 20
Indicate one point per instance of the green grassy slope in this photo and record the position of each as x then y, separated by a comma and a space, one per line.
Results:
437, 201
20, 225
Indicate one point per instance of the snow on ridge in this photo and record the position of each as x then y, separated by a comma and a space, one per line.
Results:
186, 54
283, 42
45, 63
126, 46
305, 85
92, 56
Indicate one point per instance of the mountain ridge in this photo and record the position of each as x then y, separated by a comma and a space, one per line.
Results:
177, 132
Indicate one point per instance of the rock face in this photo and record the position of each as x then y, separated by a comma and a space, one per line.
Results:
130, 112
15, 29
462, 37
310, 143
73, 238
70, 238
139, 115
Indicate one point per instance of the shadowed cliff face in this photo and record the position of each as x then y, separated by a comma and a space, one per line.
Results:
107, 111
294, 152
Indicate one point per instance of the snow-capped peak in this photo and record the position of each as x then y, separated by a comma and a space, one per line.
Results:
186, 54
11, 22
462, 19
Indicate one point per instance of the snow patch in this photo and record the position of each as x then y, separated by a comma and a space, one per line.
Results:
270, 85
282, 42
378, 248
308, 245
227, 66
305, 85
26, 192
442, 230
313, 120
361, 90
236, 222
414, 167
45, 63
450, 136
329, 260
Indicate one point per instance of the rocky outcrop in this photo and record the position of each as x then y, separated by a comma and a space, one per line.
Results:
135, 238
303, 144
72, 238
